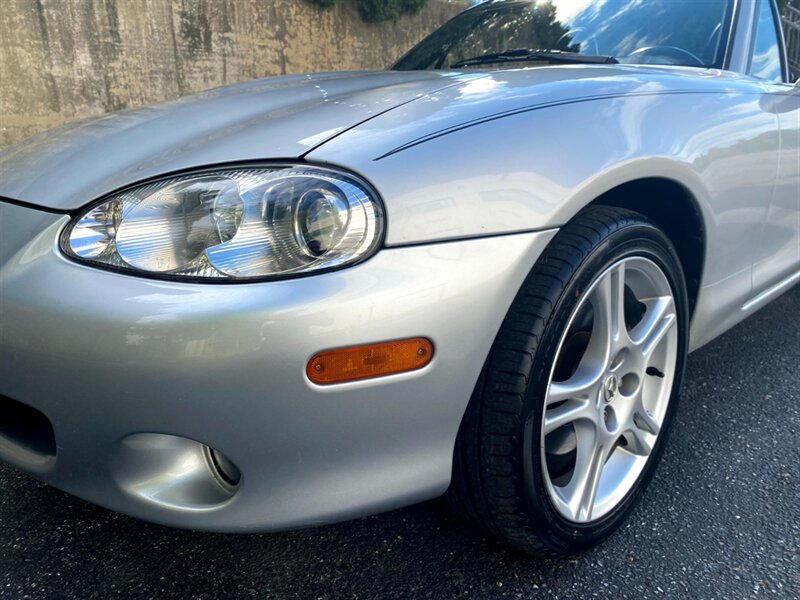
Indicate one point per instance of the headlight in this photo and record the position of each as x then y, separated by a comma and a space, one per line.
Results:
254, 223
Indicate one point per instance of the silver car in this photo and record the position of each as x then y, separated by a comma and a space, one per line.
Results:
305, 299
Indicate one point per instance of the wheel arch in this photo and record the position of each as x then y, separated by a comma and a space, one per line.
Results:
672, 207
674, 198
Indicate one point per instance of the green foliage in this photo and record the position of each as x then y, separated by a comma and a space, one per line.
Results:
782, 4
373, 11
323, 3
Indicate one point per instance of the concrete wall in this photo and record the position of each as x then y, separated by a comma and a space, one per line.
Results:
62, 60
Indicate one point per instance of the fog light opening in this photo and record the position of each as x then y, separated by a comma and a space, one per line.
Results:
226, 472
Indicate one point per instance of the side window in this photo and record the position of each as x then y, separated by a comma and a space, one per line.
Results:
791, 33
766, 51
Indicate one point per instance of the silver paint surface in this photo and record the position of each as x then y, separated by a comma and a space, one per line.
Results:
476, 170
282, 117
106, 355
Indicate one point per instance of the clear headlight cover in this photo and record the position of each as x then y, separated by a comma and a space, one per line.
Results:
236, 224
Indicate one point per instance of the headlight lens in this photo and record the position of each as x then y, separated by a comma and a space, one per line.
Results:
257, 223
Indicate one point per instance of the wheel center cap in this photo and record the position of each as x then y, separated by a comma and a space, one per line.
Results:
610, 388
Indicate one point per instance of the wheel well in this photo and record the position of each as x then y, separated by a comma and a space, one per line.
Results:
673, 208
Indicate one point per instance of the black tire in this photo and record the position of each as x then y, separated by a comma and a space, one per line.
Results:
498, 481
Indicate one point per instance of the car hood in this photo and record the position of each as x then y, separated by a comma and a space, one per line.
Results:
277, 118
349, 119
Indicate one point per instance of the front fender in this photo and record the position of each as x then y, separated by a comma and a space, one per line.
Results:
536, 169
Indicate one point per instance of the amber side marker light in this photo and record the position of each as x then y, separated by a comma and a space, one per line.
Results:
365, 362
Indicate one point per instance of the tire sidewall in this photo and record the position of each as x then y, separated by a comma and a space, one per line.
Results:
634, 240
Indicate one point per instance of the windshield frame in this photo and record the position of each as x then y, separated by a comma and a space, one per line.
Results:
730, 24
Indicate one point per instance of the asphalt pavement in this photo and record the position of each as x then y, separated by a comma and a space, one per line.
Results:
721, 518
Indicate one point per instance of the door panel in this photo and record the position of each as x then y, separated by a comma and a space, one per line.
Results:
778, 251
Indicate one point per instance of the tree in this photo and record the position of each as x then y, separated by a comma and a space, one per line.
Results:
373, 11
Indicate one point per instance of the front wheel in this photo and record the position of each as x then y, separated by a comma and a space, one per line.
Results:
570, 415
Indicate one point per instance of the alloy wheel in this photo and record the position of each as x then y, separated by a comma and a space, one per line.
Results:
609, 389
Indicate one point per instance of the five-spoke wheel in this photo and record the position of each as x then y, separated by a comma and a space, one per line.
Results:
570, 415
609, 390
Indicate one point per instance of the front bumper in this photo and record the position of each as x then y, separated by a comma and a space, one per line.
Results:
132, 372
